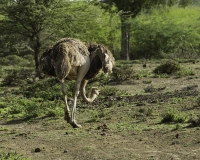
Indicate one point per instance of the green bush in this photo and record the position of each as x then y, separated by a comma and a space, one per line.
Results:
195, 122
16, 77
168, 67
15, 60
12, 156
166, 31
48, 89
12, 106
142, 73
186, 72
172, 67
101, 79
112, 91
123, 73
173, 115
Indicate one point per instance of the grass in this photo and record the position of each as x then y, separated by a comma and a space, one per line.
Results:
174, 115
12, 156
30, 102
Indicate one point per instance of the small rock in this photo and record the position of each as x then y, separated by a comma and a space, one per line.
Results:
105, 126
103, 134
175, 142
177, 135
65, 151
37, 150
144, 65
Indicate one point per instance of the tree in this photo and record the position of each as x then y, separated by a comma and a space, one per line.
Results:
100, 26
130, 9
184, 3
38, 20
42, 21
168, 31
29, 18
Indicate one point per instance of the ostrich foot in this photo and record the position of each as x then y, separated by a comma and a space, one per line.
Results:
95, 90
75, 125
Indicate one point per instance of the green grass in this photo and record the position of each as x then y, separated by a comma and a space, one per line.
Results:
42, 103
12, 156
174, 115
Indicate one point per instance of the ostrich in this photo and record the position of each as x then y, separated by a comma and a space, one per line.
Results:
72, 59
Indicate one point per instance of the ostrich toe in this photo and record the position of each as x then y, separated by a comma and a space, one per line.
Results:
75, 125
95, 90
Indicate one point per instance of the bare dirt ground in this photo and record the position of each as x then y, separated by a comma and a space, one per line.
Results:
123, 132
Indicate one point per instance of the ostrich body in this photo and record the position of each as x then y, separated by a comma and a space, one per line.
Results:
71, 59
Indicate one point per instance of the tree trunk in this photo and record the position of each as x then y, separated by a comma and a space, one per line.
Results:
35, 40
36, 55
125, 31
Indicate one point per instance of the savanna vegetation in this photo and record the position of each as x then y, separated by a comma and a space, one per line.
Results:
155, 91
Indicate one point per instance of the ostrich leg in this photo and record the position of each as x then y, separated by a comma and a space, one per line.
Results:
93, 95
81, 73
67, 111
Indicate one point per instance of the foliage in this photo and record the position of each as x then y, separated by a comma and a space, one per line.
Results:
168, 30
16, 60
198, 100
142, 73
32, 26
168, 67
146, 111
133, 8
30, 19
195, 122
101, 79
174, 67
123, 73
99, 26
112, 91
12, 156
19, 76
130, 9
27, 108
185, 72
48, 88
174, 115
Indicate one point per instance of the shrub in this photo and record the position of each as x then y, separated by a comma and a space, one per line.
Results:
48, 89
198, 100
28, 108
101, 79
112, 91
123, 73
19, 76
166, 31
142, 73
173, 115
12, 156
186, 72
32, 110
195, 122
15, 61
168, 67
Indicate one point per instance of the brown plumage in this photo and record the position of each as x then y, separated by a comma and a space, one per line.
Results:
96, 65
71, 59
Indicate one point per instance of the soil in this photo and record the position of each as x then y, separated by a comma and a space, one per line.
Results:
143, 138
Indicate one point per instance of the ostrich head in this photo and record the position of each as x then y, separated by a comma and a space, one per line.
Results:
46, 63
104, 55
107, 63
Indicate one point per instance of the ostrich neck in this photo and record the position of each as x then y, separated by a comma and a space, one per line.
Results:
83, 93
98, 53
